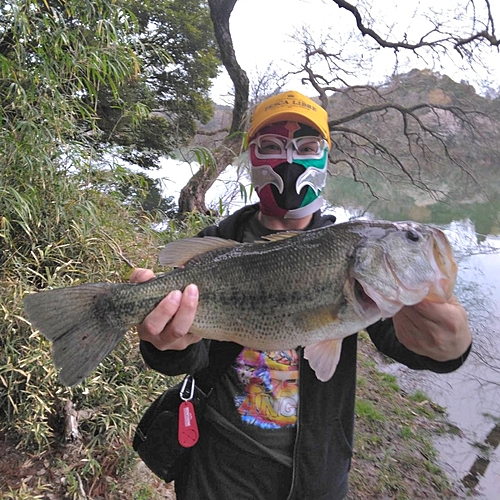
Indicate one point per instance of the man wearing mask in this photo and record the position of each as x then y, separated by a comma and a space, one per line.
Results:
285, 434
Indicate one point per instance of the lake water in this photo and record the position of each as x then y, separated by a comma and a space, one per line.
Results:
471, 395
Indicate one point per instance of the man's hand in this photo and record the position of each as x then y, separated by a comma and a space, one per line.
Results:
437, 330
167, 326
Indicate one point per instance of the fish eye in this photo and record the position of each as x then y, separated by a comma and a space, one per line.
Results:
412, 235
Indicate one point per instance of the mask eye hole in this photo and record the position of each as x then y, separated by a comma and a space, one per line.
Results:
270, 146
308, 146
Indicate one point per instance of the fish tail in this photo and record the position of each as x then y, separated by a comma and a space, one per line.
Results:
82, 336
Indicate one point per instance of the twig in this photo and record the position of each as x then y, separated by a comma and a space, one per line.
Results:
116, 248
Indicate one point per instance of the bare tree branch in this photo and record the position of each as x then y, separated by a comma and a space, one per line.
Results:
373, 129
456, 40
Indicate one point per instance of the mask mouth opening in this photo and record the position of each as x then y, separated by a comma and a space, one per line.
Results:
288, 198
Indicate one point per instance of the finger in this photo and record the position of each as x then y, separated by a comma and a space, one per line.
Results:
180, 343
440, 331
183, 319
437, 313
156, 321
140, 274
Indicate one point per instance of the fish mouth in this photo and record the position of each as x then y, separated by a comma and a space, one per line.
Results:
372, 302
445, 265
365, 303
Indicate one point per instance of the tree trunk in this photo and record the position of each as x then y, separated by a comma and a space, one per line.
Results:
192, 197
220, 12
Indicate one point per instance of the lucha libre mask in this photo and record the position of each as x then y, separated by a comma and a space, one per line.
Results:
289, 168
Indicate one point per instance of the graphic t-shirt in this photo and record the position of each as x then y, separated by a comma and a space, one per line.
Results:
259, 394
271, 393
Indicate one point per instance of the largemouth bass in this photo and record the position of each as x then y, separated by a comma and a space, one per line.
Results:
308, 289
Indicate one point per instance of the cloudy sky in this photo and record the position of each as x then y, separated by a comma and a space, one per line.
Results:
262, 34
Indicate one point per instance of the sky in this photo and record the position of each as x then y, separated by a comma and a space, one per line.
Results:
262, 35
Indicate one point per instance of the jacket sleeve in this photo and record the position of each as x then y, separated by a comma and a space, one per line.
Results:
170, 362
384, 337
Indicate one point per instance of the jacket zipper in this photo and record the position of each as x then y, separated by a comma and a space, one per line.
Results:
295, 446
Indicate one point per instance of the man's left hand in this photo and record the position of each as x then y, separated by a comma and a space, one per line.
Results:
437, 330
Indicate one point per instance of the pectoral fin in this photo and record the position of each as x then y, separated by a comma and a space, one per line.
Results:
324, 357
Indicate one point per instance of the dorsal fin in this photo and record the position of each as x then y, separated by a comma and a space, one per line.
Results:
177, 253
280, 236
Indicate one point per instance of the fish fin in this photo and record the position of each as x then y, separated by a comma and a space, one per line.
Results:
80, 337
324, 357
177, 253
280, 236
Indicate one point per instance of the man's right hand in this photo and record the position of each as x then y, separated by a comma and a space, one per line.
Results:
167, 326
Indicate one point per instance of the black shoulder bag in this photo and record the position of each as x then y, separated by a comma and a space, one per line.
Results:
158, 436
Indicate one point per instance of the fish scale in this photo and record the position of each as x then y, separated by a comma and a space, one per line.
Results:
309, 289
280, 287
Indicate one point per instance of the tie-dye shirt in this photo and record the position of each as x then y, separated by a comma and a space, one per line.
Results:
271, 393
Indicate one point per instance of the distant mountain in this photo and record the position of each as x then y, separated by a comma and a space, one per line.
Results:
463, 161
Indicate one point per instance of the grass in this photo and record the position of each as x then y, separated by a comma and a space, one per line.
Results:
393, 453
59, 236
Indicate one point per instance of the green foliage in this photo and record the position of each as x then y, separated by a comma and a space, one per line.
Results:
366, 410
184, 27
419, 396
67, 217
176, 90
406, 432
390, 381
144, 493
54, 59
92, 73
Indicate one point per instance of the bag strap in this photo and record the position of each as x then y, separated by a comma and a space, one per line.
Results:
220, 356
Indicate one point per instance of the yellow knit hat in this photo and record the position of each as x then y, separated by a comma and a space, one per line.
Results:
290, 106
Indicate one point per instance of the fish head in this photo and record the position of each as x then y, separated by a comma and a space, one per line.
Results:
402, 263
